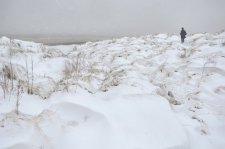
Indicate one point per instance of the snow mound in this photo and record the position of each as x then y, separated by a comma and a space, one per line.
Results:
134, 119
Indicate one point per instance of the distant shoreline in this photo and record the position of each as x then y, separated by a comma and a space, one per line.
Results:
76, 39
58, 39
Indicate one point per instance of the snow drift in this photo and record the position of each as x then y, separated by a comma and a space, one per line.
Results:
128, 93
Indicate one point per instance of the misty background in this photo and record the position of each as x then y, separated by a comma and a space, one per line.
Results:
68, 21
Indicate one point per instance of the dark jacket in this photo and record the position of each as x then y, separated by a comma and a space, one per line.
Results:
183, 33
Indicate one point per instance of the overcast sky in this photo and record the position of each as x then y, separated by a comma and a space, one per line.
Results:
109, 17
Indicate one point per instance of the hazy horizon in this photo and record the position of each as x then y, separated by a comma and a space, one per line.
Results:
99, 19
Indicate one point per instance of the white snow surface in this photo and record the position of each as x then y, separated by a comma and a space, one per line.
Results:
149, 92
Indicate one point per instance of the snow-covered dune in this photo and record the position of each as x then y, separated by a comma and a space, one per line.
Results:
128, 93
125, 121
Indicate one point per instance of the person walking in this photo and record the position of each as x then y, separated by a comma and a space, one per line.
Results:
183, 34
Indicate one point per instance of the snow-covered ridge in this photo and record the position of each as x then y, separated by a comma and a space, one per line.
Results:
127, 93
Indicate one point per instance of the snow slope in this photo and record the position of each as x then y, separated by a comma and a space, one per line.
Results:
129, 93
